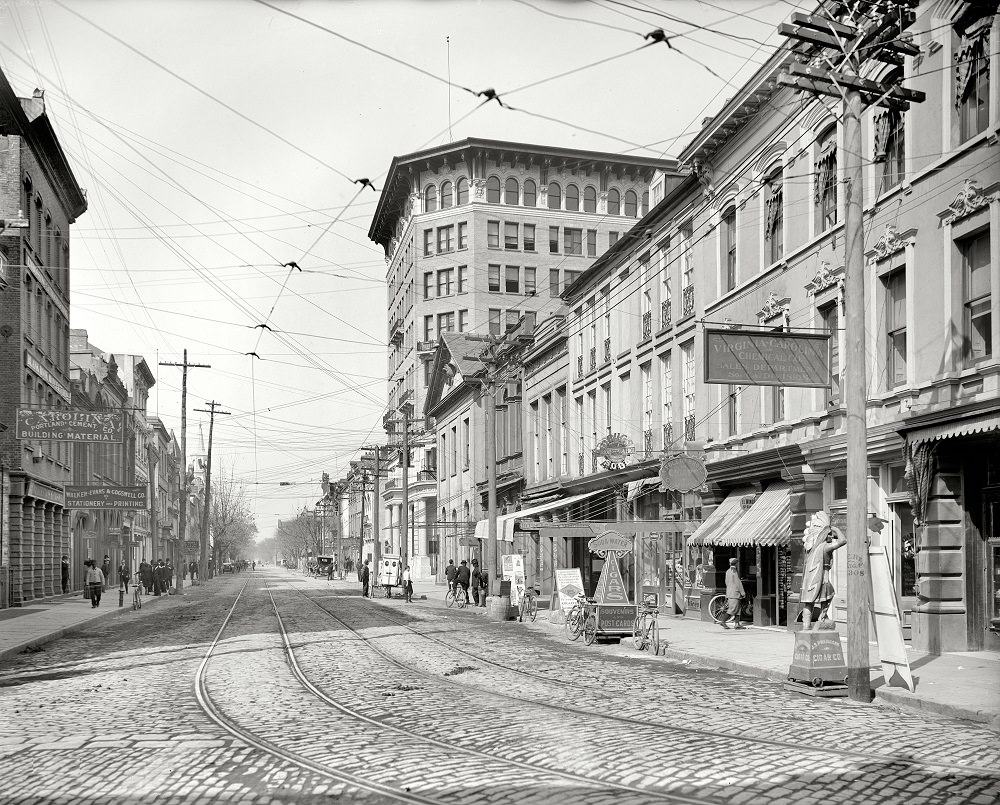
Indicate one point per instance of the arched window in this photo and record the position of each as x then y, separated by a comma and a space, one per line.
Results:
493, 190
454, 515
555, 196
614, 202
444, 515
631, 204
430, 198
645, 202
572, 198
445, 195
462, 192
511, 192
589, 199
530, 193
465, 511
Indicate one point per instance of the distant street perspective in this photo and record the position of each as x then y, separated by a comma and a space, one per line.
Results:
513, 401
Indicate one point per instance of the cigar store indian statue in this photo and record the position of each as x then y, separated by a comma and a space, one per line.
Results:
819, 541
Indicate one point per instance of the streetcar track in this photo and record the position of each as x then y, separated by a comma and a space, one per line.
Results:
904, 760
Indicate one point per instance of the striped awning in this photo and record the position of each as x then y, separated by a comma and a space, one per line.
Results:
722, 519
767, 523
954, 428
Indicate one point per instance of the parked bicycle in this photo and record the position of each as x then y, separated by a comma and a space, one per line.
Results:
582, 620
720, 603
646, 630
458, 595
529, 605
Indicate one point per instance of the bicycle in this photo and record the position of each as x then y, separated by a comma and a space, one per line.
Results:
719, 604
646, 630
458, 595
582, 620
528, 606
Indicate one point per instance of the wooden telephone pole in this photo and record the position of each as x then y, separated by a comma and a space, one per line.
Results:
208, 481
834, 48
182, 527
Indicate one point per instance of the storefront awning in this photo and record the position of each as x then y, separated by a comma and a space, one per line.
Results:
720, 521
506, 522
949, 430
767, 523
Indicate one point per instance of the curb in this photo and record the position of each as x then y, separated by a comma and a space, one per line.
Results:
900, 699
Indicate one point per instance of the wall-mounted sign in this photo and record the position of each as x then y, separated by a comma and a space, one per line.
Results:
106, 497
614, 450
742, 358
48, 424
680, 473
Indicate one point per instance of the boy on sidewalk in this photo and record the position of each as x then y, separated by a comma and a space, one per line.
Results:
734, 595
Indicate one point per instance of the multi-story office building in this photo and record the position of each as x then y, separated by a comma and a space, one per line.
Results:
39, 200
477, 234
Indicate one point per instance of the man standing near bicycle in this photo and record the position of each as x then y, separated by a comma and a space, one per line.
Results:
462, 578
734, 594
450, 573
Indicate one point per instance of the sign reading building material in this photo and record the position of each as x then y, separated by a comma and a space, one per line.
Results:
48, 424
106, 497
741, 358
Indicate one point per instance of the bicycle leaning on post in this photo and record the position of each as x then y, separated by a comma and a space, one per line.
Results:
528, 607
582, 619
646, 629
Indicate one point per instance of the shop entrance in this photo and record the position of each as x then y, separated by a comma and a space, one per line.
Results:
989, 594
660, 572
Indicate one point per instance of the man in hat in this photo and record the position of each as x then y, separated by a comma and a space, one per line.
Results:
734, 595
463, 577
820, 540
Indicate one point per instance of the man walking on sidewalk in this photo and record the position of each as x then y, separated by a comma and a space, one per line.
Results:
734, 595
94, 579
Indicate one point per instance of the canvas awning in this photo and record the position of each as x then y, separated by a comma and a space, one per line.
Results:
506, 522
767, 523
719, 521
949, 430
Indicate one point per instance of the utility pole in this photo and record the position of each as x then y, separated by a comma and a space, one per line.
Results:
182, 526
835, 51
372, 460
208, 480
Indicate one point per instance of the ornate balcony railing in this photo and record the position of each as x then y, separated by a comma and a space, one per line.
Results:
689, 428
581, 465
688, 301
647, 442
593, 358
579, 366
647, 324
427, 475
668, 436
665, 313
607, 349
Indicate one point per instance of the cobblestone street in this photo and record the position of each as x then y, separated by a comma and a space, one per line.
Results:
314, 694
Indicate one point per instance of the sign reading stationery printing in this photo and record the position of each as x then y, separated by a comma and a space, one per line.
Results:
106, 497
737, 357
614, 450
47, 424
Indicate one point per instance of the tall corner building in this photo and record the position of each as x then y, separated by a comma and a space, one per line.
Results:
476, 234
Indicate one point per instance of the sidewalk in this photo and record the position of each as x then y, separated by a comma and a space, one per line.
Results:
963, 685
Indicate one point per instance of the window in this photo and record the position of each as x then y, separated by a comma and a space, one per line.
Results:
732, 410
463, 321
646, 378
444, 280
428, 328
510, 238
493, 277
569, 277
446, 323
777, 403
462, 191
428, 242
463, 279
972, 77
890, 150
729, 248
563, 430
555, 196
493, 190
512, 279
549, 444
591, 243
466, 451
429, 285
513, 318
553, 240
446, 195
667, 398
977, 296
830, 316
573, 241
572, 198
511, 192
606, 404
529, 281
631, 204
613, 238
430, 198
529, 237
494, 320
644, 203
493, 234
589, 199
774, 221
454, 460
688, 389
553, 282
826, 181
463, 235
530, 195
445, 242
614, 202
895, 329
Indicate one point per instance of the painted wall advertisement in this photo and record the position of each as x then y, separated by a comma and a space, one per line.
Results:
47, 424
512, 570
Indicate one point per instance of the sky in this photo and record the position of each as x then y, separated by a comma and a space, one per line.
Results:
218, 140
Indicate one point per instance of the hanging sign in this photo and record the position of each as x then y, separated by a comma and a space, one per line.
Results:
680, 473
745, 358
106, 497
613, 451
48, 424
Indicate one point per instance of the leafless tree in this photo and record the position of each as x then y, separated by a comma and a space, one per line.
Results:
232, 521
